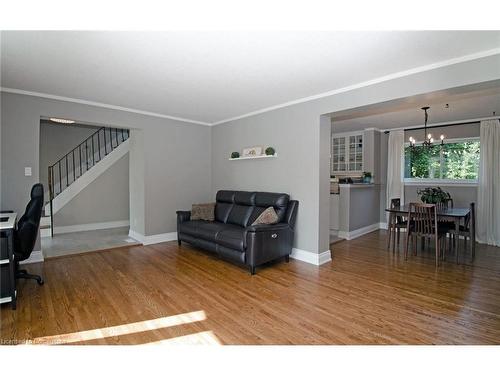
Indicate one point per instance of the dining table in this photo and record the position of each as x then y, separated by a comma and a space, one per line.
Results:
455, 214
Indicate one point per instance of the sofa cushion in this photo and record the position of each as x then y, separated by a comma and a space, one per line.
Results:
269, 216
279, 201
231, 237
245, 198
240, 215
203, 211
203, 229
225, 196
222, 211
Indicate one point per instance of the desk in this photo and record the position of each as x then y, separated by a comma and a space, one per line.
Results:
455, 214
7, 263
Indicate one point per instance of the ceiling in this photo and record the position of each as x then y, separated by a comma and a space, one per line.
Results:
213, 76
465, 103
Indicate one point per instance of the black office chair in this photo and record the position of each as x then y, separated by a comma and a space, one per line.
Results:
27, 231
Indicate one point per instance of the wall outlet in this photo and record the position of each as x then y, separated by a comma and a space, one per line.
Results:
27, 171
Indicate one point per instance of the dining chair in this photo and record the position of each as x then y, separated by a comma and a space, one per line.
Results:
397, 223
422, 223
468, 231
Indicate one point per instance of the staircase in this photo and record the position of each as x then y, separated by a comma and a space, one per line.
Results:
75, 170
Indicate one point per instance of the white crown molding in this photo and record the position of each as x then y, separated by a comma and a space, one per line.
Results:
404, 73
102, 105
371, 82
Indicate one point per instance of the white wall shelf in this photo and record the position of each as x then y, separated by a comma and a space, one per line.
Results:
255, 157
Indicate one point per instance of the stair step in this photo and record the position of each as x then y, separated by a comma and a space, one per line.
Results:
44, 221
45, 232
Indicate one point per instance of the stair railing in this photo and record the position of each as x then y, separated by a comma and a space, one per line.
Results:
81, 158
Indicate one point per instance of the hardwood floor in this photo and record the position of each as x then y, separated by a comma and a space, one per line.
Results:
163, 293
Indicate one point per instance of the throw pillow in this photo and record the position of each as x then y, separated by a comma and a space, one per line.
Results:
204, 211
268, 216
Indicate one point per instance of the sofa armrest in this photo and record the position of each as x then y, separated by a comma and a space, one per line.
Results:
267, 242
267, 227
183, 216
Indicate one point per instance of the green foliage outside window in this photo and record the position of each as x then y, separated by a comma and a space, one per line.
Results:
455, 161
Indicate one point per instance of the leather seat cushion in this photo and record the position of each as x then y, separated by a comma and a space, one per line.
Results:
203, 229
231, 237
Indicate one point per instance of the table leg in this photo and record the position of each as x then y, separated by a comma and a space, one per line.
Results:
455, 242
472, 233
389, 231
12, 276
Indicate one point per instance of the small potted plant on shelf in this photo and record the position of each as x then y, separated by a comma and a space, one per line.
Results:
270, 151
367, 177
433, 195
235, 155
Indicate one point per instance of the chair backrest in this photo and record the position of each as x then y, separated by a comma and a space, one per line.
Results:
28, 224
395, 202
447, 203
423, 218
471, 219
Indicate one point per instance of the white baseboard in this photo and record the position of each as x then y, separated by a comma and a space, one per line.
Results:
382, 225
35, 257
361, 231
312, 258
155, 238
90, 226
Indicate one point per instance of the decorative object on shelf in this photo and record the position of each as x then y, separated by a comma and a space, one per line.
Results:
428, 140
367, 177
270, 151
252, 151
433, 195
235, 155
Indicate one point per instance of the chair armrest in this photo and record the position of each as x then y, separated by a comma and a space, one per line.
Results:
183, 216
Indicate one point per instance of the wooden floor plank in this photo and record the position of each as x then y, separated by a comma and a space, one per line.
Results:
366, 295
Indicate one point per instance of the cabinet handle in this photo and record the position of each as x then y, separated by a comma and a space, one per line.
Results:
274, 235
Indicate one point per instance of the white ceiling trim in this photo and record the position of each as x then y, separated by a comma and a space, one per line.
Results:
102, 105
424, 68
404, 73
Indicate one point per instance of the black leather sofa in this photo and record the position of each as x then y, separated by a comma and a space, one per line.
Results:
233, 237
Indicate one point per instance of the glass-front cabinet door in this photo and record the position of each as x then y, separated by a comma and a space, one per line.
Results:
346, 154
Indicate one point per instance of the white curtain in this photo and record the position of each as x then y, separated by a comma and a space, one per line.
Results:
488, 205
395, 167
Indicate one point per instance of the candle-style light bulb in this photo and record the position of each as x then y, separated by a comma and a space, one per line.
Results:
442, 136
431, 140
429, 136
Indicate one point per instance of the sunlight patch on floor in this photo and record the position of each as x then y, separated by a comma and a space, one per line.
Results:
200, 338
124, 329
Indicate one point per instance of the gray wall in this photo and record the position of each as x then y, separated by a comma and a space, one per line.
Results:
55, 141
105, 199
364, 207
176, 155
295, 133
186, 163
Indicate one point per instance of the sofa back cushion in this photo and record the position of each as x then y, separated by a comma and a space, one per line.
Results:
223, 205
243, 207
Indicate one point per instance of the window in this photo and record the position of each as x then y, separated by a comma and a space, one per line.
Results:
456, 161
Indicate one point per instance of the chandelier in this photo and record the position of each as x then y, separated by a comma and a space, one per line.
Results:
428, 140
